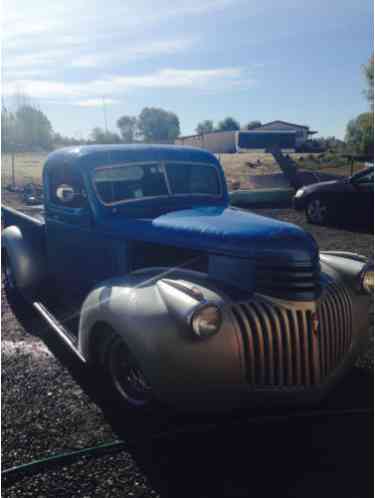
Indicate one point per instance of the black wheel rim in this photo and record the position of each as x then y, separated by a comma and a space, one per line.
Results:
127, 377
317, 211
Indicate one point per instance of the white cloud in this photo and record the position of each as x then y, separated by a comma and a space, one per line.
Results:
117, 85
95, 102
133, 52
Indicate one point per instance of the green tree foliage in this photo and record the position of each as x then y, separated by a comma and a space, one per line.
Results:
8, 129
27, 127
251, 125
128, 126
34, 128
228, 124
100, 136
360, 134
158, 125
330, 143
206, 126
61, 141
368, 70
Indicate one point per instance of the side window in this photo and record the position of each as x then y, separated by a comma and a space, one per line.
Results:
66, 187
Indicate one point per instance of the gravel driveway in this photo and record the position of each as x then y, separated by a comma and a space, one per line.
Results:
45, 411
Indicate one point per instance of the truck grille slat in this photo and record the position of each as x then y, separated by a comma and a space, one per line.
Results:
281, 346
294, 281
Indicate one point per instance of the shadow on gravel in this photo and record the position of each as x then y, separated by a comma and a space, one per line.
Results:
324, 456
352, 227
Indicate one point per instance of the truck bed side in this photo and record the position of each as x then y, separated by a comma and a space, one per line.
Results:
26, 247
32, 227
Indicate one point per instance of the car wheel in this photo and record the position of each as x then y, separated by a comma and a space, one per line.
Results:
16, 300
317, 211
126, 375
125, 386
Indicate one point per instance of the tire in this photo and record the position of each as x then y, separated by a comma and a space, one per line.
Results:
17, 302
127, 386
317, 211
126, 376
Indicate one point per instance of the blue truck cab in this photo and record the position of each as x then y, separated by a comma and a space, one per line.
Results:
181, 298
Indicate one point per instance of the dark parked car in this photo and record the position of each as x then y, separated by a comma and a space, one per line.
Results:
350, 200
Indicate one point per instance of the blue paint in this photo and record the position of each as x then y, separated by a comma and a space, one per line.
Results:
87, 245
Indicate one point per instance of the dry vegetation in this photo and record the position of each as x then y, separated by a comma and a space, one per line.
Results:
238, 167
28, 168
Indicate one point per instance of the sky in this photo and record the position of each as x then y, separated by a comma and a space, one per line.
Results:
83, 62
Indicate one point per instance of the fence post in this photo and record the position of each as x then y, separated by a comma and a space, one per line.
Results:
13, 171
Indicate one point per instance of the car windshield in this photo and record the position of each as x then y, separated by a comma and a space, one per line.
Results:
187, 179
117, 184
365, 176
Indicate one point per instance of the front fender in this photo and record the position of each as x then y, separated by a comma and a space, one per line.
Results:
345, 266
151, 316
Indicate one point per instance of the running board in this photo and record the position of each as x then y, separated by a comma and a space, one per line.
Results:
63, 334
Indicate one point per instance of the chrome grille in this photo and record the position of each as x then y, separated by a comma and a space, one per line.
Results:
281, 348
336, 318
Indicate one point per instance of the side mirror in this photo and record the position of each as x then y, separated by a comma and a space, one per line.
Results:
65, 193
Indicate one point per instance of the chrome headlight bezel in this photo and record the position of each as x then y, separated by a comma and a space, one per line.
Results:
299, 193
202, 324
366, 278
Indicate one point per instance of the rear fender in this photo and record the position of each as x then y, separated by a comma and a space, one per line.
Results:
26, 259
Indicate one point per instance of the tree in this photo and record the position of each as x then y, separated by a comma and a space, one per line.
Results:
368, 70
360, 134
329, 143
128, 128
228, 124
100, 136
158, 125
251, 125
32, 128
206, 126
8, 128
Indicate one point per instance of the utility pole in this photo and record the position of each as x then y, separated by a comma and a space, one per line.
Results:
105, 116
13, 171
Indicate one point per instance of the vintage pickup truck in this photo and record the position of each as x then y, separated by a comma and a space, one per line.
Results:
143, 269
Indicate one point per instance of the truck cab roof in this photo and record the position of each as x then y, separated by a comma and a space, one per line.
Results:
89, 156
138, 180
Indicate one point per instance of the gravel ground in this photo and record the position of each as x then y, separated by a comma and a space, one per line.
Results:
45, 411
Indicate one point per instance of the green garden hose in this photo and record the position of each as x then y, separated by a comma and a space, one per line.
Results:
14, 473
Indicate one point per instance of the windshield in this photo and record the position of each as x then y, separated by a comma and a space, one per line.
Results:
117, 184
364, 176
185, 179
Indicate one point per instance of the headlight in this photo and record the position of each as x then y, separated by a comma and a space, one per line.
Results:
299, 193
206, 320
366, 278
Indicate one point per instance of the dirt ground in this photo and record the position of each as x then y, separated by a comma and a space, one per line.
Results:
48, 408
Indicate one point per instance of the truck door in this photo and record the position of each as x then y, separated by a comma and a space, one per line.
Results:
78, 257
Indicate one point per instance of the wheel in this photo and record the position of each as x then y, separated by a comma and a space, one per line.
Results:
125, 386
317, 211
19, 305
126, 376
